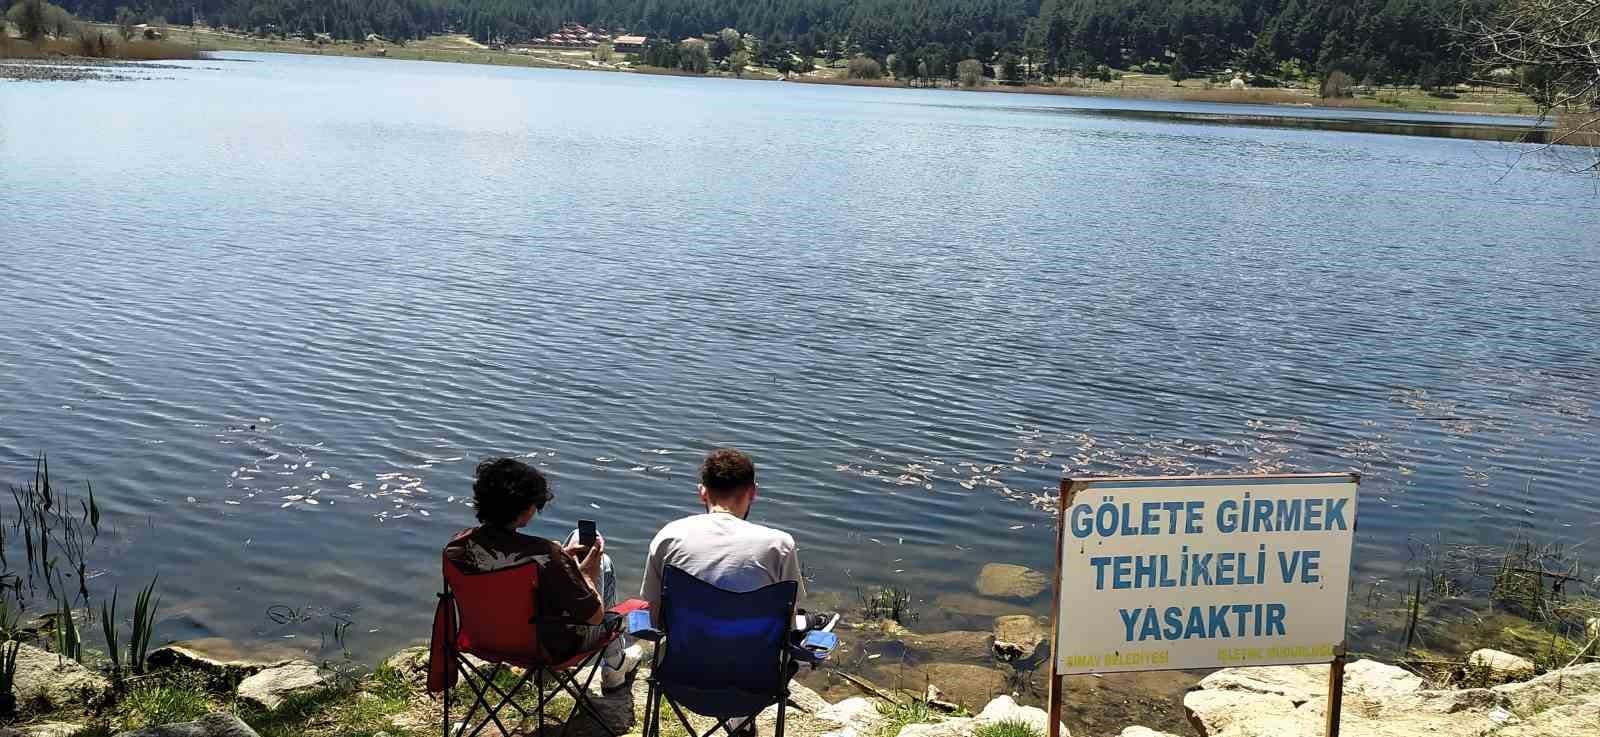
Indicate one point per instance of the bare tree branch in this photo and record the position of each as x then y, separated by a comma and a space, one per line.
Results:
1552, 49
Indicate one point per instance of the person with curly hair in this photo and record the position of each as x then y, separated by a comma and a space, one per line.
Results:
576, 586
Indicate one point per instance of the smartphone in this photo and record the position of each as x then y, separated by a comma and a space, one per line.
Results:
586, 533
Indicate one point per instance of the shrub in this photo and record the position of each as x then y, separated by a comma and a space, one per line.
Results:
1009, 728
693, 56
1338, 84
158, 704
29, 18
864, 67
897, 716
969, 72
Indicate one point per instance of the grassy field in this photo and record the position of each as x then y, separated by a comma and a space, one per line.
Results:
115, 48
1158, 87
459, 48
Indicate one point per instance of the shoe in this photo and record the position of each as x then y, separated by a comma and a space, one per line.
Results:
614, 678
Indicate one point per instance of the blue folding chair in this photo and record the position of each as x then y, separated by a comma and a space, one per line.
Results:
722, 654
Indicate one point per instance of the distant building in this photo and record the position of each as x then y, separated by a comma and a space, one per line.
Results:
571, 36
629, 44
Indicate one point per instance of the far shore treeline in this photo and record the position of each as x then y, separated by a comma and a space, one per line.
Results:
1381, 41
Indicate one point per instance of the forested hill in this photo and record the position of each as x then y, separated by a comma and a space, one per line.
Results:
1384, 40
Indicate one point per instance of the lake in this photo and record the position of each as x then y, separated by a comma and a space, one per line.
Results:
248, 284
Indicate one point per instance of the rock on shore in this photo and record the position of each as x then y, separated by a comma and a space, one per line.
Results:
1500, 667
215, 724
1290, 701
61, 682
269, 688
1001, 709
1007, 581
1017, 636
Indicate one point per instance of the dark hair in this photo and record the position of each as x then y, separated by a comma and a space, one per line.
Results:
505, 488
726, 472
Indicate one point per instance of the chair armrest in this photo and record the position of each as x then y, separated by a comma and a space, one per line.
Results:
816, 647
640, 626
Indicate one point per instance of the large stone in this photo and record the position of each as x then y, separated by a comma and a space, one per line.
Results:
1005, 709
1552, 688
959, 727
411, 663
854, 717
1377, 680
805, 700
1017, 636
975, 606
1297, 683
1500, 667
1241, 713
51, 729
1379, 702
215, 724
1302, 683
211, 656
953, 645
1011, 581
970, 686
61, 682
1566, 720
270, 688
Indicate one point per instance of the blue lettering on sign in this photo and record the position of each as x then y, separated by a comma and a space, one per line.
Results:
1222, 621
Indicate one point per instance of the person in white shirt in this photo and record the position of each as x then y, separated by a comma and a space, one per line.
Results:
721, 547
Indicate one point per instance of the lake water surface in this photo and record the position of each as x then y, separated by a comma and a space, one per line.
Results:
279, 276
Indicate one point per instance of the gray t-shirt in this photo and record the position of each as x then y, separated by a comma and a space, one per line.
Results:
722, 550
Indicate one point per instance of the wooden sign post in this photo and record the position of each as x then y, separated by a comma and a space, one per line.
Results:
1188, 572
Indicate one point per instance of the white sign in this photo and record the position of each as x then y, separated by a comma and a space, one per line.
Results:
1203, 572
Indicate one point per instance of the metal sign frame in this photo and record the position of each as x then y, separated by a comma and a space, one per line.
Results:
1072, 485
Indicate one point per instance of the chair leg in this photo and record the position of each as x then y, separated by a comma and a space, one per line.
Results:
783, 706
477, 700
445, 732
481, 689
684, 720
652, 710
580, 697
494, 713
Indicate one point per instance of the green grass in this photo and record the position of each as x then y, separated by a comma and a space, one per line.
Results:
293, 716
162, 703
897, 716
1008, 728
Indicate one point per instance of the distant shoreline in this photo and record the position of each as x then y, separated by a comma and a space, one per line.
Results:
1132, 86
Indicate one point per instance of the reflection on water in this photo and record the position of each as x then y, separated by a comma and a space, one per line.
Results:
276, 311
1501, 131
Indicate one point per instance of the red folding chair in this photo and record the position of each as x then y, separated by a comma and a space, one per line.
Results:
493, 616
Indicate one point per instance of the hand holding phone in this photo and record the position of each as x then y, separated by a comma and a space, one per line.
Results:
586, 535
